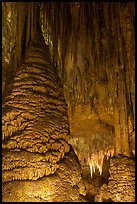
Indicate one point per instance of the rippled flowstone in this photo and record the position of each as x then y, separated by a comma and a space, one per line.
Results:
121, 186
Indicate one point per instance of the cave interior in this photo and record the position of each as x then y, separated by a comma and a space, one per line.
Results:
92, 47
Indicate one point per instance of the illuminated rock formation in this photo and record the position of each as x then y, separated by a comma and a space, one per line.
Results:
92, 47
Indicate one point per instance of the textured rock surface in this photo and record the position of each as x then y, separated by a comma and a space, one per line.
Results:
34, 119
65, 185
95, 54
35, 135
121, 185
92, 45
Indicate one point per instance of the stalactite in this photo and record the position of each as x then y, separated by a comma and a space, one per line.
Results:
25, 22
28, 27
104, 30
32, 17
20, 27
95, 161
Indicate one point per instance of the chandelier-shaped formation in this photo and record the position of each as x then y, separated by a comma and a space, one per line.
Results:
95, 161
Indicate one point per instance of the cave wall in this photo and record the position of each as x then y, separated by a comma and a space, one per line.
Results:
94, 54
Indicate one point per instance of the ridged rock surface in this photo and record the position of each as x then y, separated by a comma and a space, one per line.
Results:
34, 123
64, 185
35, 132
121, 186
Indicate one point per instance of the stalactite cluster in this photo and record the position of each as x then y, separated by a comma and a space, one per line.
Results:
94, 51
19, 27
